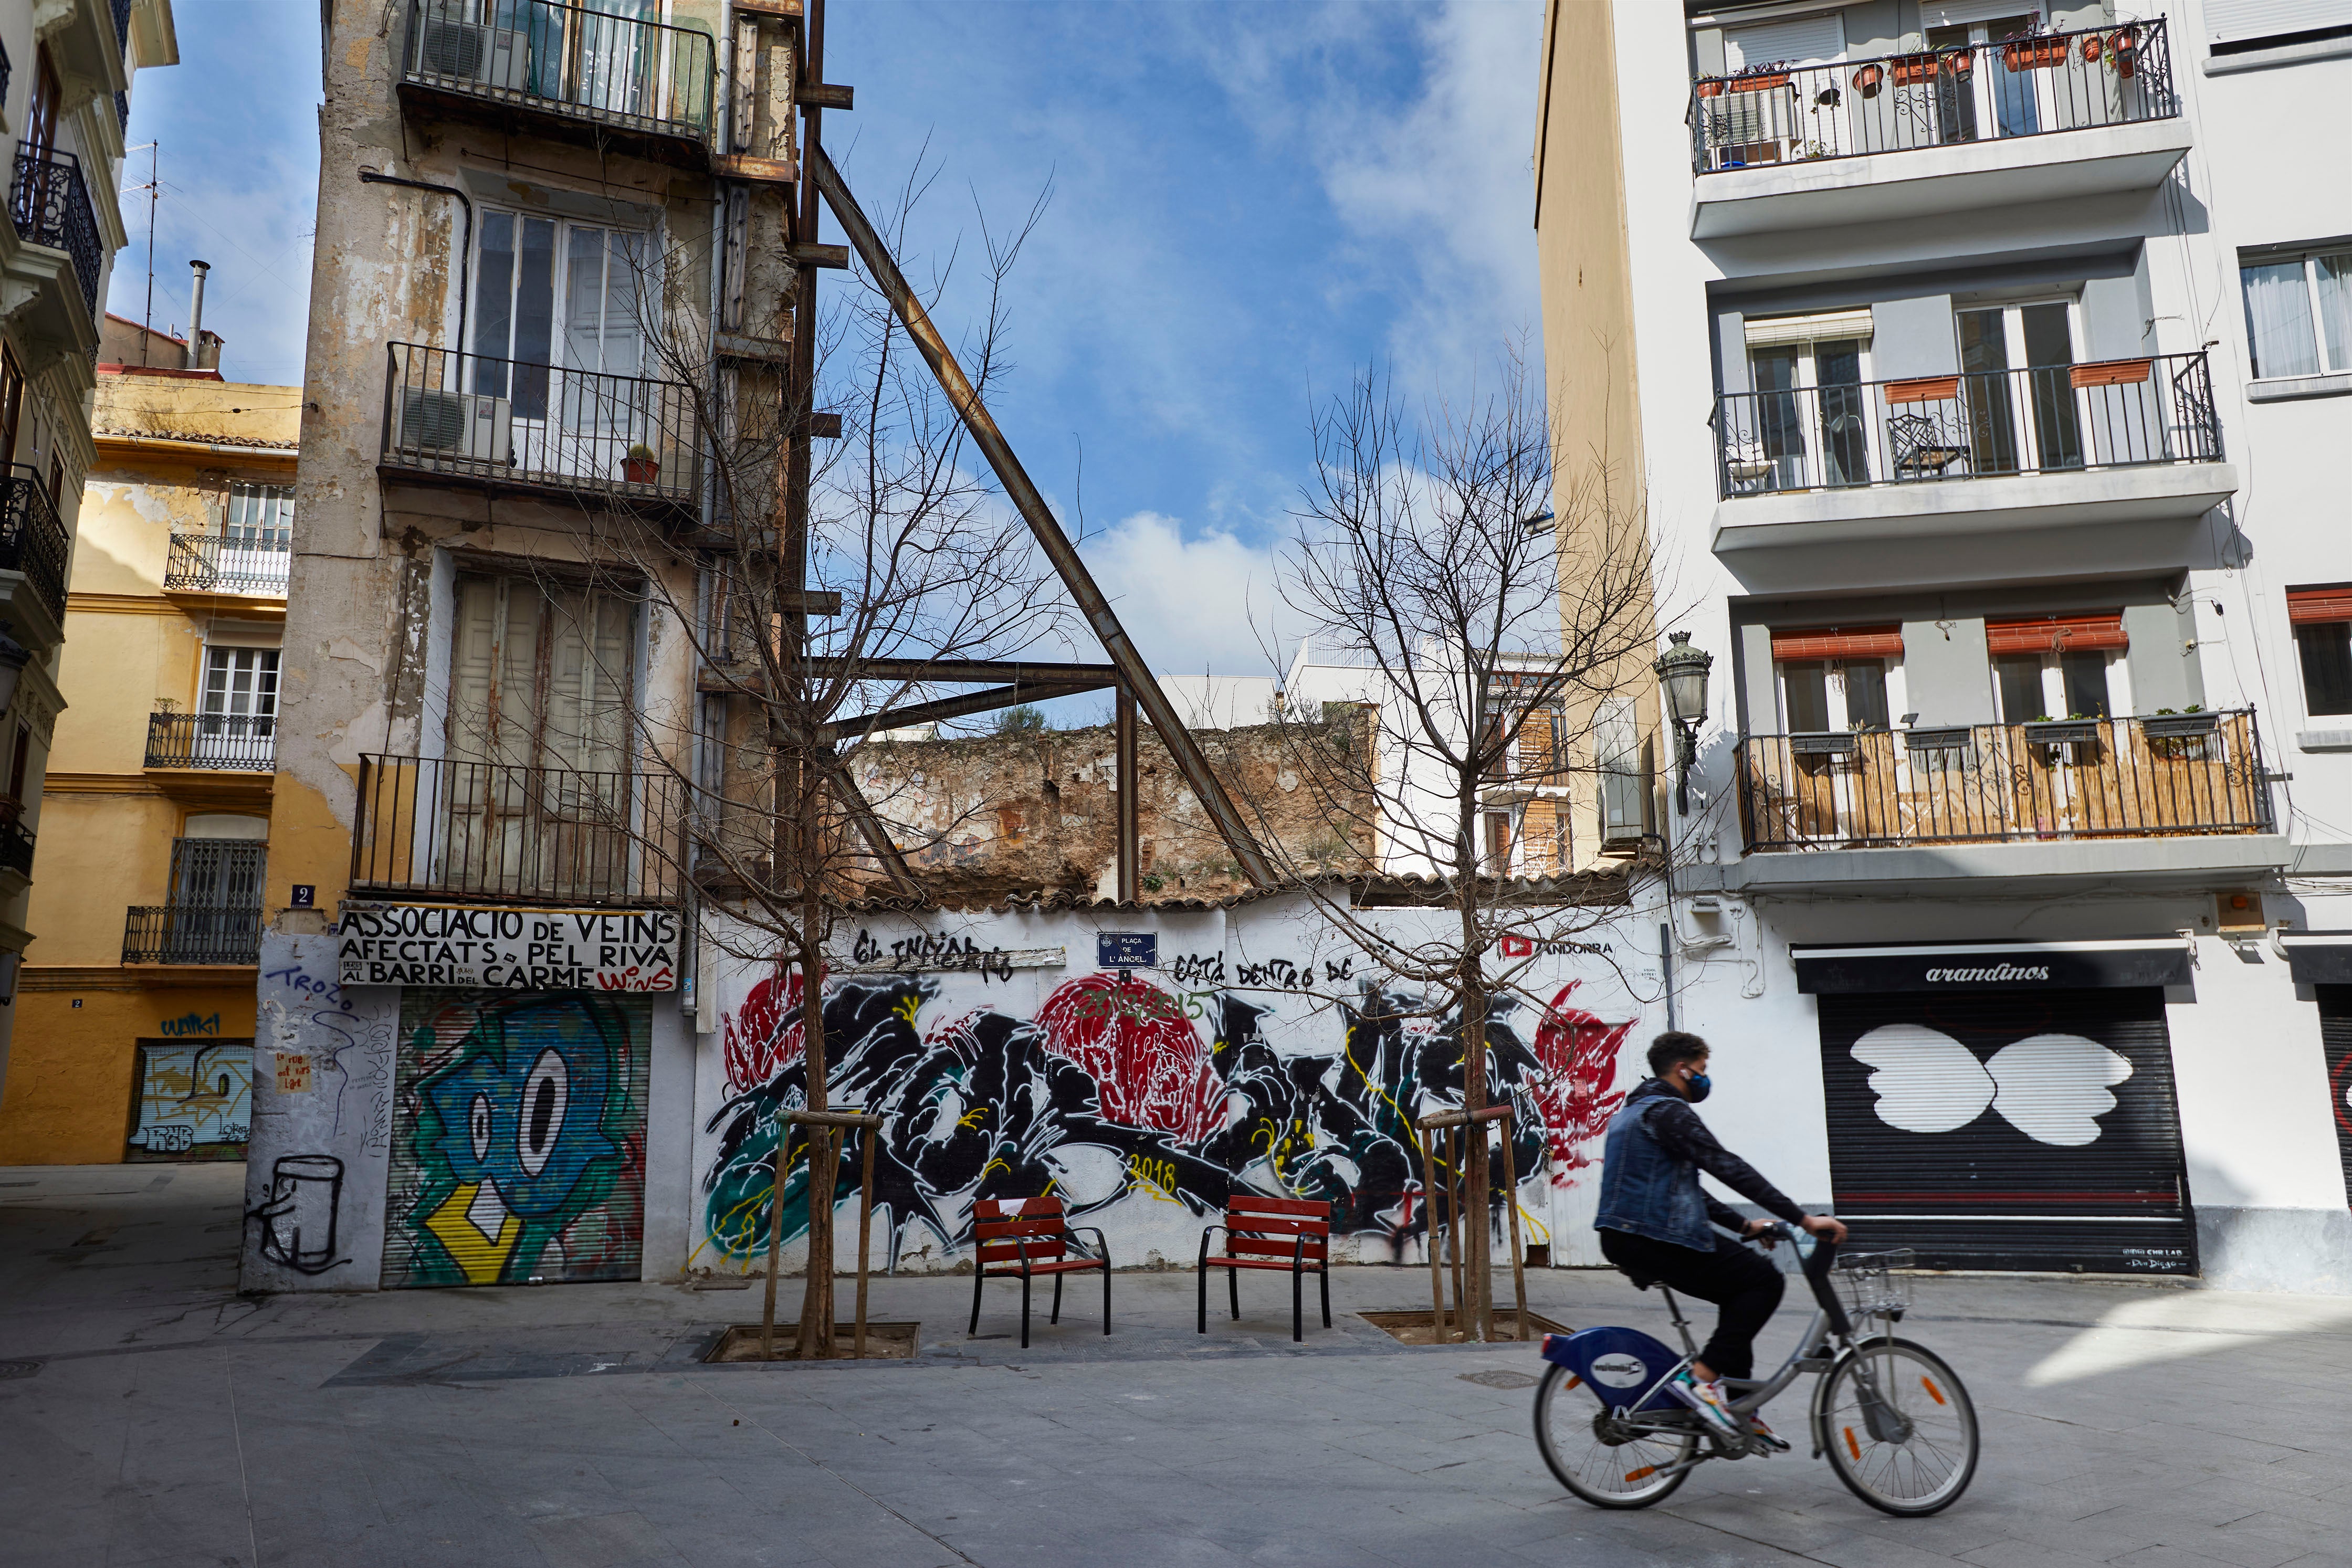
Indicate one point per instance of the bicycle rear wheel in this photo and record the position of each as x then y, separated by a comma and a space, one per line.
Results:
1920, 1453
1598, 1461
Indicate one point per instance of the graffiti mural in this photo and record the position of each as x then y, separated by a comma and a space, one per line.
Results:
1113, 1088
519, 1149
196, 1100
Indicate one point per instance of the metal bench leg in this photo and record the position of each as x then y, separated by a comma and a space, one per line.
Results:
1297, 1304
1201, 1275
1233, 1288
1325, 1274
1025, 1310
1057, 1300
979, 1276
1106, 1293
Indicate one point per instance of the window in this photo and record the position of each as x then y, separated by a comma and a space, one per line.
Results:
2321, 618
541, 674
1809, 396
236, 712
260, 518
12, 403
2059, 667
1625, 785
2020, 397
1498, 843
1838, 678
2299, 315
2010, 100
553, 293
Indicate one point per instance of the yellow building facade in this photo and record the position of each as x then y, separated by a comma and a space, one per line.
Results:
133, 1039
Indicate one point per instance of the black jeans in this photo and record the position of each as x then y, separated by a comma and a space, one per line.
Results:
1743, 1283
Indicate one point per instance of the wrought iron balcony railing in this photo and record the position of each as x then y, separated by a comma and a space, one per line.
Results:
511, 832
569, 60
50, 205
32, 540
2055, 419
2151, 777
619, 439
15, 846
209, 563
2036, 85
191, 933
212, 742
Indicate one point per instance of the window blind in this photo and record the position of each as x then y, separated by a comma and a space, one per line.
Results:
2234, 21
1820, 325
1807, 41
1839, 642
2055, 633
2308, 606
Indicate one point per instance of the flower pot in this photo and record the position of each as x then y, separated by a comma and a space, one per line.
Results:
2179, 726
2125, 47
1754, 83
2034, 54
1869, 79
640, 470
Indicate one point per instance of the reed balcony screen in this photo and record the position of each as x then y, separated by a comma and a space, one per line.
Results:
2041, 85
212, 742
2151, 777
32, 538
49, 203
580, 63
208, 563
2054, 419
505, 832
191, 933
614, 439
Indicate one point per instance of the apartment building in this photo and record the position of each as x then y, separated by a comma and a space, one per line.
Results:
1983, 361
66, 74
138, 1002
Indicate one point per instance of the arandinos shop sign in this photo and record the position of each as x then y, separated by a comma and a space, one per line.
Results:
1961, 967
497, 948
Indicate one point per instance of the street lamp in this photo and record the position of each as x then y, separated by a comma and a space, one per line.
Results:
1682, 669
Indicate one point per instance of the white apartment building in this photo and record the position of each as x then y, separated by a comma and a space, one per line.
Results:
1988, 367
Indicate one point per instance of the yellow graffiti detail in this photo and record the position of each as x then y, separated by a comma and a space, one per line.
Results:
972, 1118
907, 1007
481, 1256
1158, 1176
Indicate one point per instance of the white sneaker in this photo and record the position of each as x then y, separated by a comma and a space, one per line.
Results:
1708, 1400
1765, 1434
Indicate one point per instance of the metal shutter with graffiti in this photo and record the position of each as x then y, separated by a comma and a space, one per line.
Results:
518, 1147
2011, 1130
2336, 1039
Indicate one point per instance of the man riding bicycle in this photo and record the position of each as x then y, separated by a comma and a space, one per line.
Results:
1654, 1222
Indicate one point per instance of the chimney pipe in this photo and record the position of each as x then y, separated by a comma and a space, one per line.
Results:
197, 315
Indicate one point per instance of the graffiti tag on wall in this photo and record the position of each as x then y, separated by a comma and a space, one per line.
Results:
195, 1100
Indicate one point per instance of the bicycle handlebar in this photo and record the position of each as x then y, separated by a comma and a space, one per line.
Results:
1817, 1255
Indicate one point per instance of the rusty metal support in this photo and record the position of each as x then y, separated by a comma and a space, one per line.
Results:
1131, 826
1188, 758
871, 829
986, 701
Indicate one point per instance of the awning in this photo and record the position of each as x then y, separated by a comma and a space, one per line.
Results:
2055, 633
2318, 957
1839, 642
1961, 967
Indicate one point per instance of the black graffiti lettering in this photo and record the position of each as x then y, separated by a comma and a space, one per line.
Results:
864, 951
1198, 969
300, 1213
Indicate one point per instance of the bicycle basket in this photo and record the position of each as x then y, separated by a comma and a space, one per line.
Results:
1870, 1283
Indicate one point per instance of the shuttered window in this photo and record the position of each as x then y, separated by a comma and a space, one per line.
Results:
1807, 41
2242, 21
2305, 606
2335, 1040
2055, 633
2321, 618
1839, 642
2009, 1130
541, 674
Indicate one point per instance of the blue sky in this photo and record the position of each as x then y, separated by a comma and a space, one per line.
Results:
1249, 202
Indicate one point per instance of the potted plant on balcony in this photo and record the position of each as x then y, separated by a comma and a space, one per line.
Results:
2074, 729
1759, 77
2032, 53
2180, 737
640, 466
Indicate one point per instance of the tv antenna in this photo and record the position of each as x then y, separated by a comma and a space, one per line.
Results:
154, 151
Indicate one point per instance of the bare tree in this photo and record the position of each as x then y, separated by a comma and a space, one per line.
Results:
1489, 634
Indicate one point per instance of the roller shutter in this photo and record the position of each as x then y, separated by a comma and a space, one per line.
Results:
518, 1138
2336, 1039
2009, 1130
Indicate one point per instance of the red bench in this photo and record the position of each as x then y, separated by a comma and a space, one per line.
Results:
1271, 1233
1020, 1237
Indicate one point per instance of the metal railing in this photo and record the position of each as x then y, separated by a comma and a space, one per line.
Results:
32, 540
191, 933
50, 205
573, 61
209, 563
2151, 777
505, 831
2038, 85
2118, 413
215, 742
15, 846
447, 412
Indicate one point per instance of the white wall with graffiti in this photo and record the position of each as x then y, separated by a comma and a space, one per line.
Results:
1256, 1050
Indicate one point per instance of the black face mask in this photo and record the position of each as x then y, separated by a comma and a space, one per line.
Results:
1698, 1087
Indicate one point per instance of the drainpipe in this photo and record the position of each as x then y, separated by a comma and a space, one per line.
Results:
195, 355
464, 255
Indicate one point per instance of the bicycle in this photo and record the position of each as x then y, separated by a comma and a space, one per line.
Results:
1893, 1420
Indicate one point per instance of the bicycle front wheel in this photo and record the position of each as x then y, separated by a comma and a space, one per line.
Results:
1898, 1427
1599, 1460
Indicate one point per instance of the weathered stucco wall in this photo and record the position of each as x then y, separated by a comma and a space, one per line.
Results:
983, 817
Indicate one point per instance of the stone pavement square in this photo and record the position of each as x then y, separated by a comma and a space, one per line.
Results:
155, 1417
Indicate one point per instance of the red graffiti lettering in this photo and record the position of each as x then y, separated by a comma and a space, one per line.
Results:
1578, 1051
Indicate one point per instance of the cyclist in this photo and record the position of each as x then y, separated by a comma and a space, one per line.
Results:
1654, 1222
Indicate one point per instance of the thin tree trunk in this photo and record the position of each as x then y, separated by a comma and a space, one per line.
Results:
824, 1161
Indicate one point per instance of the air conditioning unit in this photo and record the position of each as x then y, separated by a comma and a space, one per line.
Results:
493, 57
452, 424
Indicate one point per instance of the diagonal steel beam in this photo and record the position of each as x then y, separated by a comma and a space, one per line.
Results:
955, 707
1182, 747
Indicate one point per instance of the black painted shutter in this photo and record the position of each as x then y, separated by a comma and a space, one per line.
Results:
1988, 1193
2336, 1039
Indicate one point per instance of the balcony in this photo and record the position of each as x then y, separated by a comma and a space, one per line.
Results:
34, 550
211, 742
2054, 116
191, 933
510, 832
609, 441
564, 71
210, 566
2059, 471
15, 850
57, 265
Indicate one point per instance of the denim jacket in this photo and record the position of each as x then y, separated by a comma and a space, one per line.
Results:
1649, 1174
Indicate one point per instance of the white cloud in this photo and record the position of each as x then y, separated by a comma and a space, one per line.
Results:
1189, 603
